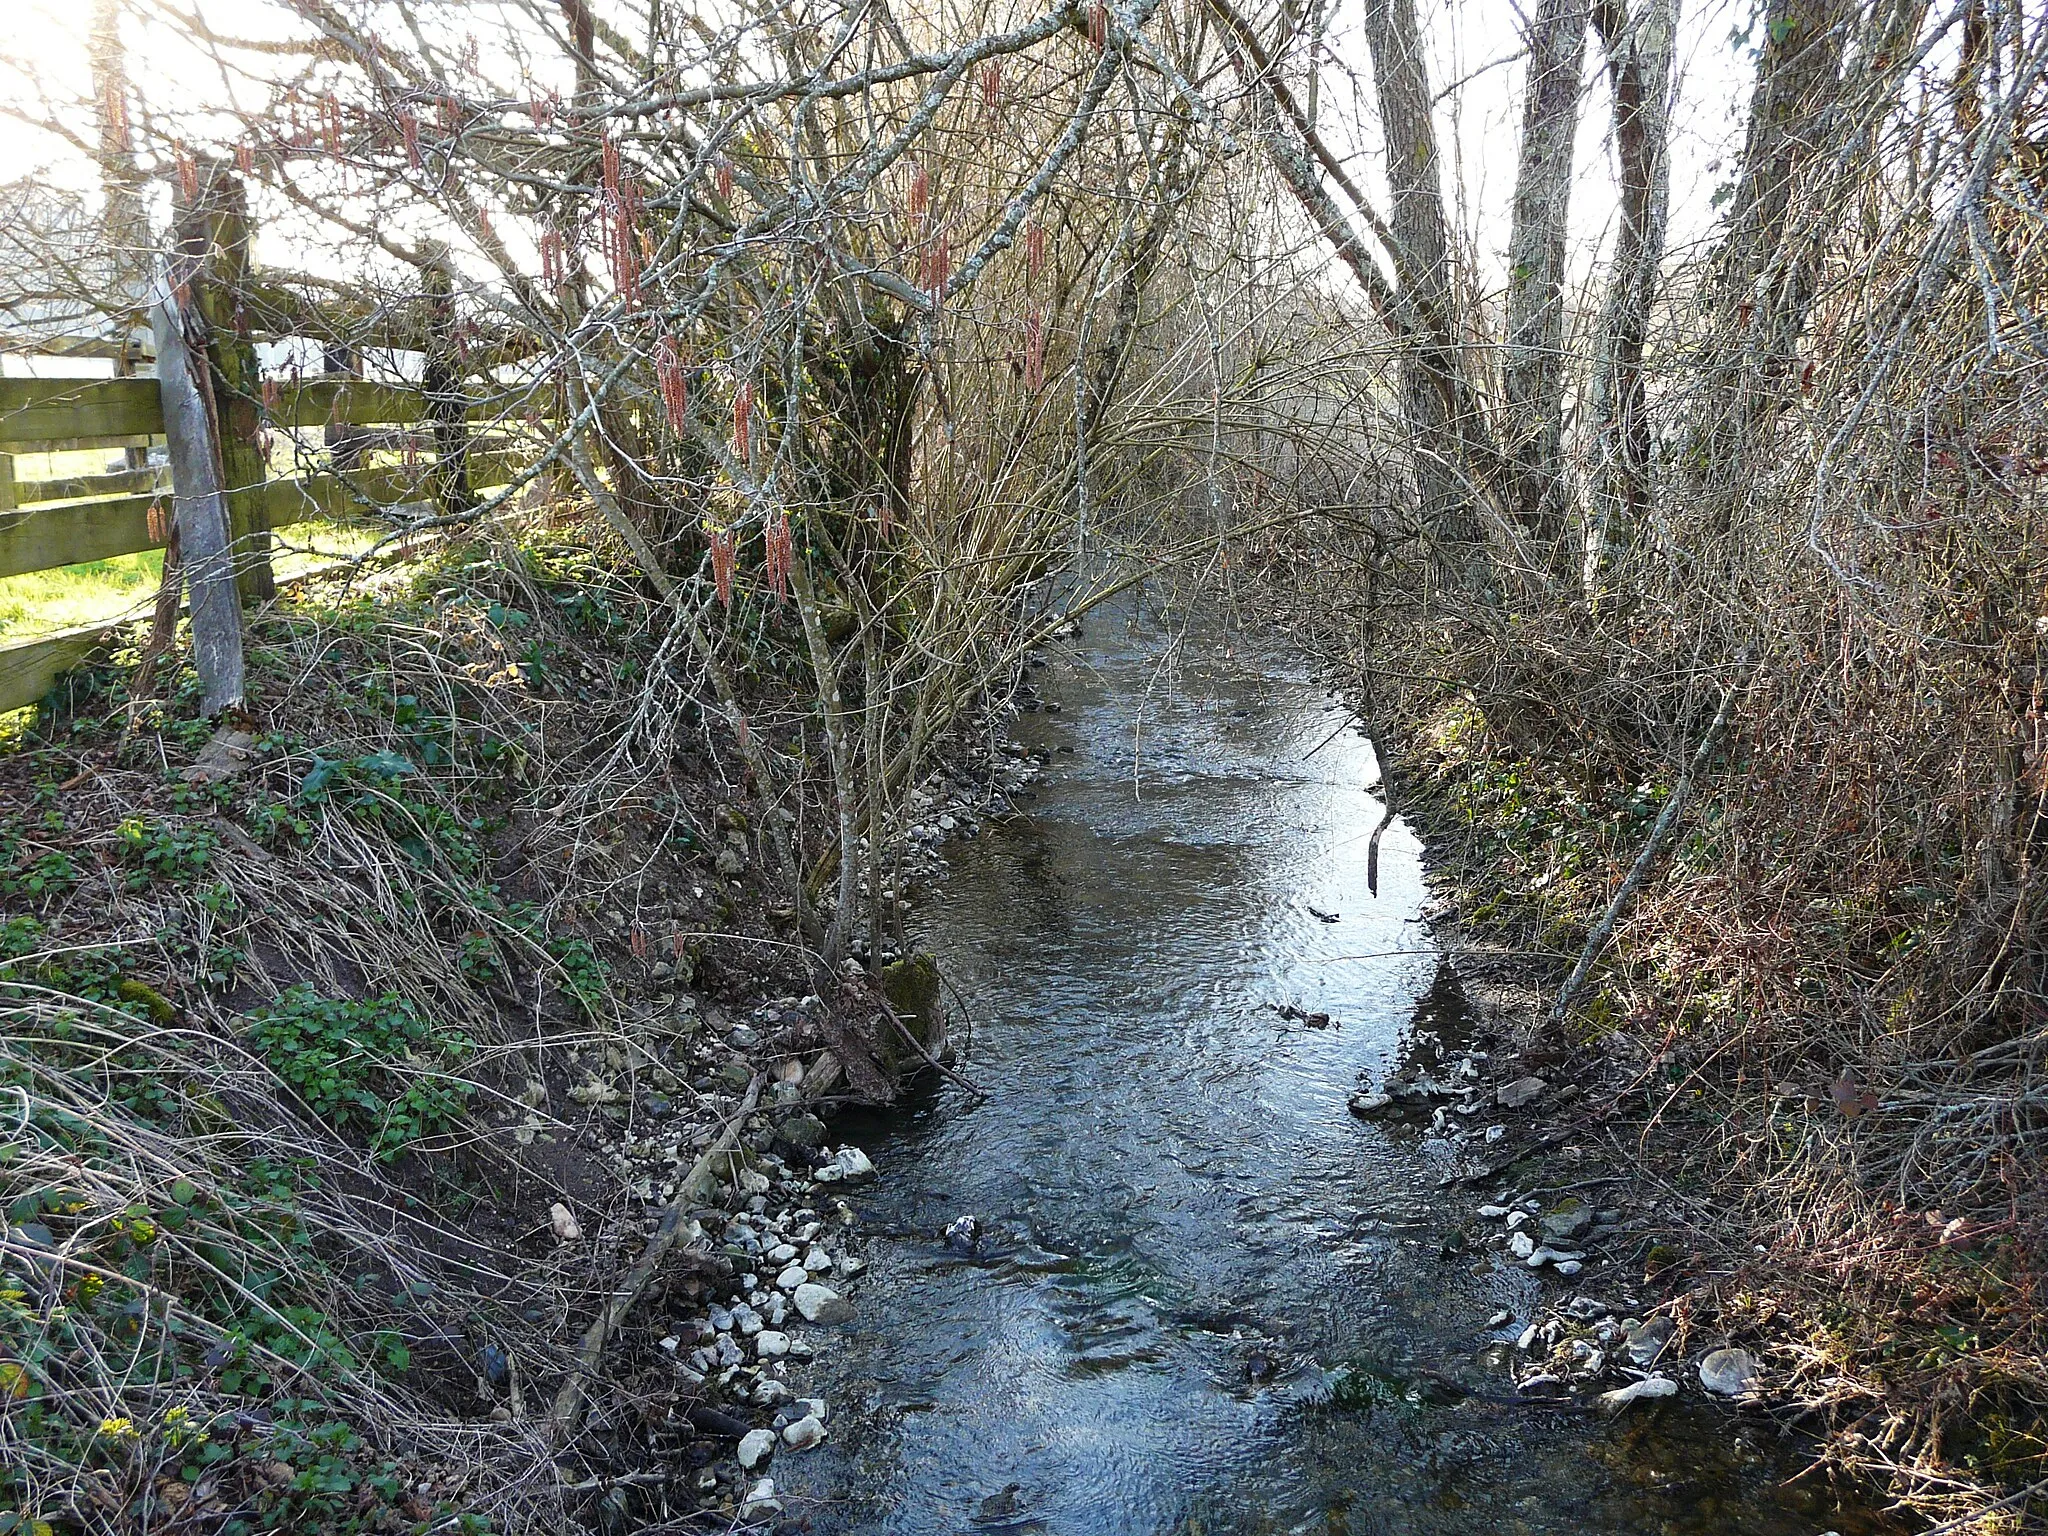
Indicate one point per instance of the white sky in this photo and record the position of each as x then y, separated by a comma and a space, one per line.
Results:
1478, 120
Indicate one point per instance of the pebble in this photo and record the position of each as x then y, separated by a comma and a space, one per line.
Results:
1568, 1225
1523, 1090
792, 1277
761, 1501
823, 1305
1523, 1246
1500, 1319
1648, 1387
804, 1433
818, 1261
1646, 1341
1492, 1212
771, 1345
1728, 1372
756, 1446
1370, 1103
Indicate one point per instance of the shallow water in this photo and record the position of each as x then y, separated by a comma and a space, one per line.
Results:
1191, 1242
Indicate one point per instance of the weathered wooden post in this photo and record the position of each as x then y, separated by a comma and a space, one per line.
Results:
8, 498
441, 381
345, 441
197, 499
213, 230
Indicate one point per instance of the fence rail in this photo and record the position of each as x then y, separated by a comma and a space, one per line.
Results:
386, 445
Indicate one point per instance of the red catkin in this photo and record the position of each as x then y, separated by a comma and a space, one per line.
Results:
724, 548
1034, 353
779, 554
674, 382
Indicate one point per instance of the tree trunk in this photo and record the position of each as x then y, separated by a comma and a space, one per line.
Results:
1768, 263
123, 223
1435, 398
214, 232
1533, 375
1639, 49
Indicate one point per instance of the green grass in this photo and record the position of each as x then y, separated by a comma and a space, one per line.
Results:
108, 591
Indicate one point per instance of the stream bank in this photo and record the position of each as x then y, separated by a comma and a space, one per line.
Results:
1149, 1273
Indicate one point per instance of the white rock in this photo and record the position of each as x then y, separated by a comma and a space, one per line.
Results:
566, 1230
853, 1163
781, 1253
814, 1406
1728, 1372
1523, 1090
1568, 1267
1492, 1212
803, 1434
756, 1446
1517, 1220
1528, 1338
792, 1277
1500, 1319
1649, 1386
761, 1501
1521, 1245
821, 1304
818, 1261
747, 1320
771, 1345
768, 1392
1369, 1103
852, 1265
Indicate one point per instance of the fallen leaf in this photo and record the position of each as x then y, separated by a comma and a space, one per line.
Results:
1851, 1100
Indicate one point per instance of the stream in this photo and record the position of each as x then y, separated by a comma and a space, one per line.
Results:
1208, 1299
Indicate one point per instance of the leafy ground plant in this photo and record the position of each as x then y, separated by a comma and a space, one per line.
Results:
371, 1066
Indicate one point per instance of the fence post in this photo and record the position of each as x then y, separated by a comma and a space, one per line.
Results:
204, 536
345, 442
8, 500
441, 381
215, 229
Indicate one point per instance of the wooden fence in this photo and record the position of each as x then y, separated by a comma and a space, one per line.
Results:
72, 519
385, 445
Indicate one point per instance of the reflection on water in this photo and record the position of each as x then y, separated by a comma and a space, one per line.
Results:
1209, 1300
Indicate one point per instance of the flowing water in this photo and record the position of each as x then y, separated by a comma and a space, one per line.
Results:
1208, 1299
